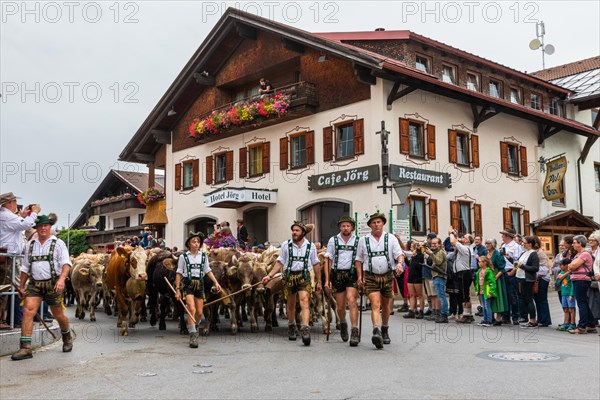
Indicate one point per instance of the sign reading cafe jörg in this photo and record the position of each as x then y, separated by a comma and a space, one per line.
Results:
344, 177
400, 173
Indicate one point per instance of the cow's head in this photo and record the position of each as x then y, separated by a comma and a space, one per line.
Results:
93, 270
136, 260
259, 271
244, 270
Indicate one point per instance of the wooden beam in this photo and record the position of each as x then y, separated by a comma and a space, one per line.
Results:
144, 157
245, 31
396, 94
151, 174
587, 147
204, 79
162, 137
565, 228
480, 116
364, 75
293, 46
546, 131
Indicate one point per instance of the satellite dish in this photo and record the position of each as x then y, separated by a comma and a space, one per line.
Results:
549, 49
535, 44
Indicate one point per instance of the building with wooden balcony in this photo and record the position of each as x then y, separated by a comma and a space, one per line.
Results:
113, 212
350, 113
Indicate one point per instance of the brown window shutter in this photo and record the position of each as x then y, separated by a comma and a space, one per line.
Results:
475, 150
327, 143
478, 220
523, 156
526, 227
243, 162
452, 153
310, 147
431, 141
209, 170
359, 137
404, 141
196, 172
433, 216
283, 153
504, 157
455, 215
177, 176
229, 165
506, 218
266, 161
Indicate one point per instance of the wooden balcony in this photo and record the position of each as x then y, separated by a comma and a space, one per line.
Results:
303, 101
118, 205
108, 237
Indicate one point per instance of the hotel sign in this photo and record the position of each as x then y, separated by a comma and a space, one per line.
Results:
240, 196
342, 178
399, 173
555, 173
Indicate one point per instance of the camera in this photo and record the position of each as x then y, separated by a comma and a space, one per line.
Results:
19, 208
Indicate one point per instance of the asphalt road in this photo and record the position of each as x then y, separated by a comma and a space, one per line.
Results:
425, 360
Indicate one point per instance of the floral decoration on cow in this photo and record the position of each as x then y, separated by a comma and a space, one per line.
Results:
217, 240
149, 195
250, 113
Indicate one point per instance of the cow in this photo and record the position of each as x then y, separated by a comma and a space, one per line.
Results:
86, 277
126, 275
243, 271
210, 313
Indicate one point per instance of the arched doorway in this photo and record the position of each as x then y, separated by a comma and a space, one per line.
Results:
324, 215
204, 224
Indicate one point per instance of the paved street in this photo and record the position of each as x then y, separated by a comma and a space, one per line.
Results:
425, 360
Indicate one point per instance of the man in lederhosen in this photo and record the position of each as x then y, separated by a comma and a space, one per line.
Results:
192, 267
379, 254
297, 257
46, 264
341, 260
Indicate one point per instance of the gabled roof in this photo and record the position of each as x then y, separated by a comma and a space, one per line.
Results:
576, 67
579, 219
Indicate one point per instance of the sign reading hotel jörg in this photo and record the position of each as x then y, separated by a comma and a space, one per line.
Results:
343, 178
401, 173
240, 196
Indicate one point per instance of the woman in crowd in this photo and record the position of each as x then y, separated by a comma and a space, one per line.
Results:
581, 270
500, 302
556, 269
543, 279
529, 265
415, 283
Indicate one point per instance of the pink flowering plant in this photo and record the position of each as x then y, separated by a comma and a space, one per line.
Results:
149, 195
251, 113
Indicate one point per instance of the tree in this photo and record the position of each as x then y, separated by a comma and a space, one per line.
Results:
77, 240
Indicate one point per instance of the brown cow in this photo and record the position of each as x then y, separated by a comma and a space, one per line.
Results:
86, 277
210, 313
126, 276
243, 272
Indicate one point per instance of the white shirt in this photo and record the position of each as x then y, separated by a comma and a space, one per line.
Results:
197, 259
344, 256
40, 270
297, 252
379, 263
514, 251
12, 227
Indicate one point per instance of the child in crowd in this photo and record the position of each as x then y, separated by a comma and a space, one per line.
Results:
485, 287
568, 302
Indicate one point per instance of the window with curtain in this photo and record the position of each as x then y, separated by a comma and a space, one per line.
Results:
416, 142
536, 101
298, 151
515, 96
255, 154
462, 148
448, 74
220, 162
345, 141
513, 160
465, 217
472, 82
422, 64
417, 206
515, 216
188, 175
495, 89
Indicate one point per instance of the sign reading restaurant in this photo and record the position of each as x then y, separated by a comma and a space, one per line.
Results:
401, 173
345, 177
240, 195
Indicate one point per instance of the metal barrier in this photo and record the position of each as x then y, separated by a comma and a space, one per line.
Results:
13, 292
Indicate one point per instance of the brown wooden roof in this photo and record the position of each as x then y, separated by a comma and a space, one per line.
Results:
573, 68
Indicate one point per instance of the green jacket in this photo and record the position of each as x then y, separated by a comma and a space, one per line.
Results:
489, 283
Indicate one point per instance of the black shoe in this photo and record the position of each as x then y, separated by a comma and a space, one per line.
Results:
305, 332
385, 335
354, 337
403, 308
515, 322
496, 323
377, 339
441, 319
419, 315
428, 312
292, 333
409, 314
344, 331
505, 321
431, 317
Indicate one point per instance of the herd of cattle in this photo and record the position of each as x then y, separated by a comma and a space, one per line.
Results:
124, 279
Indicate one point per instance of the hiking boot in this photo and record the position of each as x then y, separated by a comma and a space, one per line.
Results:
466, 319
441, 319
305, 332
344, 331
23, 353
431, 317
428, 312
292, 333
385, 335
409, 314
194, 340
419, 314
377, 339
68, 339
354, 337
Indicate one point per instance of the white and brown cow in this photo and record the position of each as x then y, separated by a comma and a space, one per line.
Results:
86, 277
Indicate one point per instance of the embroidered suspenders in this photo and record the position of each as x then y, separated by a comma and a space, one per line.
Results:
195, 271
292, 258
372, 254
339, 247
49, 258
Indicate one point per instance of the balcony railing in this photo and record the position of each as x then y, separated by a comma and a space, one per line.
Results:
303, 101
119, 205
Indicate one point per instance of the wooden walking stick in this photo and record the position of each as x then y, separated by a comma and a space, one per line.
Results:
181, 301
360, 293
326, 321
277, 275
39, 317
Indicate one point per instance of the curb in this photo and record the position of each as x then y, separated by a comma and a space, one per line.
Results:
10, 341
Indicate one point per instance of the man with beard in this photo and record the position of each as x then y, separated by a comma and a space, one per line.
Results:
341, 260
296, 258
379, 254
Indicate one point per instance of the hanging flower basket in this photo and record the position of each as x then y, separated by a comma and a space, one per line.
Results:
252, 113
150, 195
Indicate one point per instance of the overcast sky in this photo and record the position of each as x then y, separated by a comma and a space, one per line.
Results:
79, 78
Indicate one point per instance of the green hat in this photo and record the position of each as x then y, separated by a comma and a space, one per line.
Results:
347, 218
192, 235
299, 224
49, 219
377, 215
